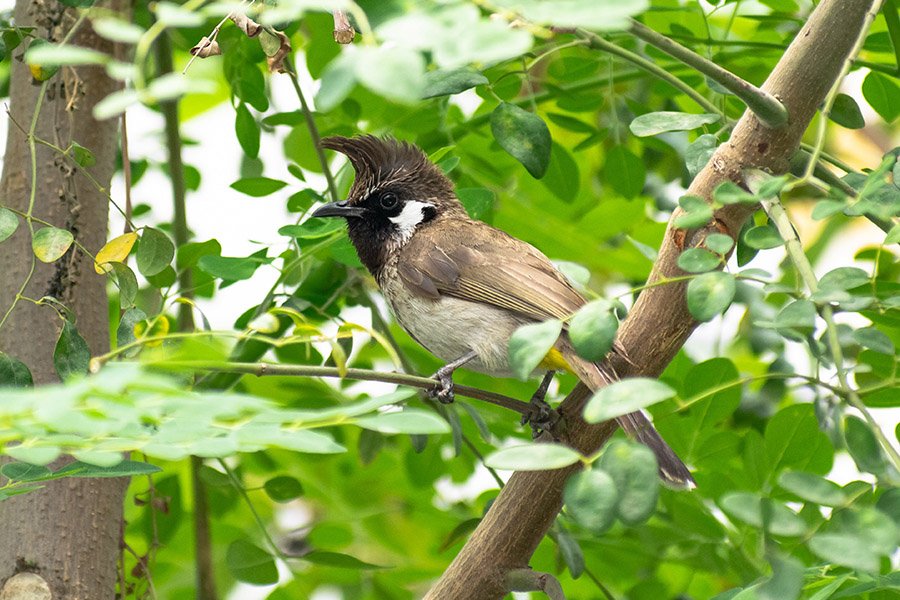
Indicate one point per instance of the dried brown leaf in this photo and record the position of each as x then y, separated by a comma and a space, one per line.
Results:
250, 27
343, 30
206, 48
276, 59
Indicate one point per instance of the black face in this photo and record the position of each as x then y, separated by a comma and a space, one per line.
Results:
381, 222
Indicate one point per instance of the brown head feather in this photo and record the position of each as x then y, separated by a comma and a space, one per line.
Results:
379, 162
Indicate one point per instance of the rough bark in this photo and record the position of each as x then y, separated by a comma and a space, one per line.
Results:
529, 503
68, 532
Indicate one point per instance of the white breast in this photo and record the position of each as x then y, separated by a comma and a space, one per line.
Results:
450, 327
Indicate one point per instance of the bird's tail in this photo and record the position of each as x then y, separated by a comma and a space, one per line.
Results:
636, 424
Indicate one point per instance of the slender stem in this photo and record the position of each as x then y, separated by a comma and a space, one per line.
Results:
313, 132
766, 107
264, 369
126, 170
239, 486
779, 216
893, 26
599, 43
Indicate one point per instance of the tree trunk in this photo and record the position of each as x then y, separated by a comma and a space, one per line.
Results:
527, 506
69, 532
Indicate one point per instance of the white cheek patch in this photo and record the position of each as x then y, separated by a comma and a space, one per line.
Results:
409, 218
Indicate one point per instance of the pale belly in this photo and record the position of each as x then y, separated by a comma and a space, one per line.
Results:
449, 328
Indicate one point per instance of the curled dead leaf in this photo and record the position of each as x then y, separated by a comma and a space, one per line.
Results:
250, 27
206, 48
343, 30
276, 59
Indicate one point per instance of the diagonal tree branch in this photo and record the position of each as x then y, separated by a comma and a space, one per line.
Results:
527, 506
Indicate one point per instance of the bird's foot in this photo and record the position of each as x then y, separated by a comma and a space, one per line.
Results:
540, 416
443, 389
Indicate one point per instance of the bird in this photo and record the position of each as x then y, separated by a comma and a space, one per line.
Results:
458, 286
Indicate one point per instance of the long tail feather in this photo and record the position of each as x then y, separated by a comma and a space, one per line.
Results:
671, 468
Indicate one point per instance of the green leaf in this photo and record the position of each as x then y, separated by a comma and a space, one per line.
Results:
698, 260
763, 237
283, 488
71, 355
410, 420
562, 178
117, 30
229, 268
592, 329
451, 81
660, 122
874, 339
698, 212
729, 192
20, 471
626, 396
698, 153
115, 104
250, 563
529, 344
633, 468
478, 202
313, 229
125, 331
624, 172
758, 512
883, 94
863, 446
258, 186
793, 440
846, 112
59, 55
397, 74
127, 283
337, 82
336, 559
799, 315
532, 457
710, 294
597, 16
122, 468
155, 252
591, 499
843, 278
81, 155
571, 552
719, 243
247, 130
9, 222
812, 488
14, 373
50, 243
524, 136
36, 455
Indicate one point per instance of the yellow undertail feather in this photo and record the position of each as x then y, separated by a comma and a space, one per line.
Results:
555, 361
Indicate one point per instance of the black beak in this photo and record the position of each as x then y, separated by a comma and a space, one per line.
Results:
339, 209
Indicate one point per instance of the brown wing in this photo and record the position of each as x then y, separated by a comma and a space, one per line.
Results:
476, 262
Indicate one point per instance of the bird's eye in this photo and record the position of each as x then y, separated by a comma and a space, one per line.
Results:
388, 200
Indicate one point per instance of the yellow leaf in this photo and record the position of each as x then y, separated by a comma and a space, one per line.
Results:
115, 250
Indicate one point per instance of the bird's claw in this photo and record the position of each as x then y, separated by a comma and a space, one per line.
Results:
443, 389
539, 415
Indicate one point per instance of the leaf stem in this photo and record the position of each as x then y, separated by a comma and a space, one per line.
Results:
313, 131
766, 107
598, 43
779, 217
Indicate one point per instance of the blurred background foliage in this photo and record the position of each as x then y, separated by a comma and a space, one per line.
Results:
796, 494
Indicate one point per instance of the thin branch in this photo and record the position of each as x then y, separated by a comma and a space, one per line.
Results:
794, 248
598, 43
313, 132
425, 383
893, 26
770, 111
